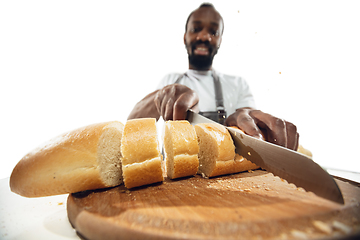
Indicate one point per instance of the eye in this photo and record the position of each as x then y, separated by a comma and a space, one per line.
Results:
195, 29
214, 33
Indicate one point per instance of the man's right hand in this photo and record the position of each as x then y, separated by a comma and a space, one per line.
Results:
173, 101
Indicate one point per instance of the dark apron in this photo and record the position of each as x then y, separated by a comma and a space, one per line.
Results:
220, 114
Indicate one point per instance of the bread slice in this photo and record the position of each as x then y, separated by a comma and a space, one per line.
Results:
181, 149
141, 158
216, 148
84, 159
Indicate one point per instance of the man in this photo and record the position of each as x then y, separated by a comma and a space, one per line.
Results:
198, 88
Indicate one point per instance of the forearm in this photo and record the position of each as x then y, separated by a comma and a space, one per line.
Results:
146, 108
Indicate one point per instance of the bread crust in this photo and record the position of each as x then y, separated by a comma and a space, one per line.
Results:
141, 158
181, 149
239, 164
184, 166
139, 174
65, 164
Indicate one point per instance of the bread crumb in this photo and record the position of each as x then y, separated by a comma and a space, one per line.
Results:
267, 189
60, 203
203, 175
342, 227
323, 227
298, 234
247, 190
250, 171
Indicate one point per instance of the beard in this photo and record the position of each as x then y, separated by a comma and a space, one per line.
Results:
201, 62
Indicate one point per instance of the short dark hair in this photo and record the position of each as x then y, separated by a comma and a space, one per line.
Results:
204, 5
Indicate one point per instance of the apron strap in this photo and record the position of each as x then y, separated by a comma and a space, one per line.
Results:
218, 93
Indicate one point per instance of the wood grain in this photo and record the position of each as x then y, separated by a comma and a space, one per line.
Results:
249, 205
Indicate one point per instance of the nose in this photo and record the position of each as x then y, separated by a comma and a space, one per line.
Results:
204, 36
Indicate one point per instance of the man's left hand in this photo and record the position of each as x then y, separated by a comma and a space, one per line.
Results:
262, 125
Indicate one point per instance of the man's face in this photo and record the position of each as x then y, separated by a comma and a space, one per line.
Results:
203, 37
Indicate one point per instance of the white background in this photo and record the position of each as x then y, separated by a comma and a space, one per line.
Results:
67, 64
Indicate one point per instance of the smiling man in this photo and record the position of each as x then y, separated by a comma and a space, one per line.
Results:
202, 38
223, 98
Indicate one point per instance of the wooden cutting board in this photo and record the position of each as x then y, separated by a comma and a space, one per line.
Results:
249, 205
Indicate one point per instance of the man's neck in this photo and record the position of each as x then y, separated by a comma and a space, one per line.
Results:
199, 69
196, 72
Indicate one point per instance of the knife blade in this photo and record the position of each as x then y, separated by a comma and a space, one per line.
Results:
290, 165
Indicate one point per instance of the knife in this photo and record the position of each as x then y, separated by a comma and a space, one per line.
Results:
290, 165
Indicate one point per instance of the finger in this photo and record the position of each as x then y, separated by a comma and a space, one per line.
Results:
278, 131
297, 142
168, 111
195, 108
275, 127
160, 100
183, 103
247, 124
292, 136
157, 101
168, 94
231, 121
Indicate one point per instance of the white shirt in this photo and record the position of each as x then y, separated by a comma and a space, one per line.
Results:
236, 91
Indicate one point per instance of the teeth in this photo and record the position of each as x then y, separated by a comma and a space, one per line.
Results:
201, 50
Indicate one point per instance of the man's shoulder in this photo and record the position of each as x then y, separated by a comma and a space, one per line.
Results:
172, 75
168, 79
229, 77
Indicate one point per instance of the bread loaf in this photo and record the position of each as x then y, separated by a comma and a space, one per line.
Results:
181, 149
83, 159
141, 158
216, 149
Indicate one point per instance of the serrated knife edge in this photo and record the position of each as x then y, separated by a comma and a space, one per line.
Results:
292, 166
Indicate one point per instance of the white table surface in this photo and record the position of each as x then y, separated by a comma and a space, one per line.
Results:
33, 218
46, 217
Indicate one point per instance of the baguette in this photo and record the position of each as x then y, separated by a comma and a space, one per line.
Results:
84, 159
181, 149
141, 159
